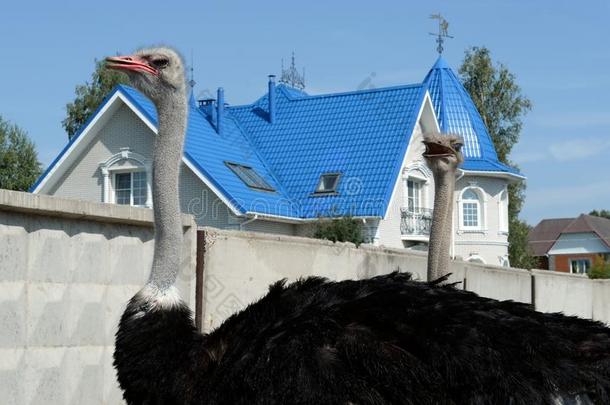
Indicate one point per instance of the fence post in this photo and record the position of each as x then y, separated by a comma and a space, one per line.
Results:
199, 274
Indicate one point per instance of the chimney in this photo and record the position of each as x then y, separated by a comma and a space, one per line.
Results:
271, 99
207, 106
220, 110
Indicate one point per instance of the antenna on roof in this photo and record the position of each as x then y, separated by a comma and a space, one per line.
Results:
192, 81
443, 28
291, 76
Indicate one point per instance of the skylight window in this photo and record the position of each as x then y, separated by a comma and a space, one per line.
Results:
328, 183
249, 176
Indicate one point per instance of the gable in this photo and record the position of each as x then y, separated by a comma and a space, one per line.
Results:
82, 178
578, 243
81, 141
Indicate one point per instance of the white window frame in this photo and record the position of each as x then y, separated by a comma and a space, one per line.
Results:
481, 210
131, 173
503, 212
580, 259
419, 174
123, 162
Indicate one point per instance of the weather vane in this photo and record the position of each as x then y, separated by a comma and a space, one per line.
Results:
443, 31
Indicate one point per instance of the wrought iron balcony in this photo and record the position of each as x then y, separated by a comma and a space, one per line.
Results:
415, 222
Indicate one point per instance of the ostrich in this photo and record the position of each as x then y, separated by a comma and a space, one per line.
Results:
384, 340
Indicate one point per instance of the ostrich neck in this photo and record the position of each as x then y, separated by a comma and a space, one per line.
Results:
440, 232
167, 155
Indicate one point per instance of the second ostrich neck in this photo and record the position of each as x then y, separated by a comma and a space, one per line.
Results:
167, 155
440, 232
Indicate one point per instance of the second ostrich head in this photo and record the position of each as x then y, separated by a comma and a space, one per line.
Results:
443, 155
443, 152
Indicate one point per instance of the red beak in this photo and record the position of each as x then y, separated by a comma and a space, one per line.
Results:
131, 62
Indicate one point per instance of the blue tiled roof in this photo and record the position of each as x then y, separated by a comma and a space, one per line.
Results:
456, 113
363, 135
208, 151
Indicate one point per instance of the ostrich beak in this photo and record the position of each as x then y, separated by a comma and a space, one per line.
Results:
434, 149
131, 62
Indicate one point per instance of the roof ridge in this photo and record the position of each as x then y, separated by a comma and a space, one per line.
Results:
329, 95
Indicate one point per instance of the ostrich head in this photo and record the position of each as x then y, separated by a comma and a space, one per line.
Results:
153, 71
443, 152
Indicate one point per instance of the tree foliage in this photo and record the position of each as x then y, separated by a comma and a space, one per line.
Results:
344, 229
19, 165
601, 213
600, 268
502, 105
90, 95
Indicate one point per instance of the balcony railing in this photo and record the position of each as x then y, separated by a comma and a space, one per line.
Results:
415, 222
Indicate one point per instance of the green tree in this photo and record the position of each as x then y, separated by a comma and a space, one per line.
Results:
600, 268
601, 213
502, 105
344, 229
90, 95
19, 165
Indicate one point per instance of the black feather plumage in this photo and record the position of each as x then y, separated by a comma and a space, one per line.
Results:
385, 340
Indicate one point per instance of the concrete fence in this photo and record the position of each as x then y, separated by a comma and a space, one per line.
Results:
238, 267
67, 268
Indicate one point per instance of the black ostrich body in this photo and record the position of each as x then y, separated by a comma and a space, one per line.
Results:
385, 340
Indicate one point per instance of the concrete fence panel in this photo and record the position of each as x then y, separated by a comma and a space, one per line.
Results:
601, 300
67, 269
559, 292
500, 283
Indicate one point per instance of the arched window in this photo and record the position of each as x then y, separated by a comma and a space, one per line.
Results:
126, 179
415, 191
471, 210
503, 212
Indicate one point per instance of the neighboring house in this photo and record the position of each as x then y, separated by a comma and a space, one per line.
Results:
570, 244
281, 163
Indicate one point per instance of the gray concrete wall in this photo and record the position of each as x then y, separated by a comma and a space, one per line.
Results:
67, 268
239, 267
572, 294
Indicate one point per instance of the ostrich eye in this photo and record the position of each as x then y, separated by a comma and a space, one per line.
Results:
456, 146
160, 63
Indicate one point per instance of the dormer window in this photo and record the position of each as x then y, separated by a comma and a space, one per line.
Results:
328, 183
249, 176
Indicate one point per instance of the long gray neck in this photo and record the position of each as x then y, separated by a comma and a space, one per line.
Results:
167, 155
440, 232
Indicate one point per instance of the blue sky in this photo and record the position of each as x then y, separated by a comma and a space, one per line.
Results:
557, 49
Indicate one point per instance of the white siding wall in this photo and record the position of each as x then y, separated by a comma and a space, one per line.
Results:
83, 180
489, 243
578, 243
388, 232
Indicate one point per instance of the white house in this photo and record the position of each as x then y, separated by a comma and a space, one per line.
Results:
286, 160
